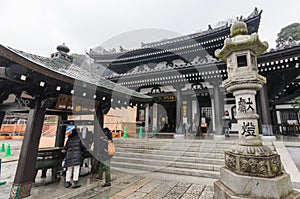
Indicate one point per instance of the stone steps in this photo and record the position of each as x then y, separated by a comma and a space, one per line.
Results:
194, 146
201, 158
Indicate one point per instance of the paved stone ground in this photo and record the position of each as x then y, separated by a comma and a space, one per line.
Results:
129, 186
125, 185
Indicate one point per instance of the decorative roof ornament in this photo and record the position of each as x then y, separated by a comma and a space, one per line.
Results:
63, 48
62, 55
241, 40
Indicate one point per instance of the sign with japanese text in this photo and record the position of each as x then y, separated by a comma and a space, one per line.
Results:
74, 103
245, 104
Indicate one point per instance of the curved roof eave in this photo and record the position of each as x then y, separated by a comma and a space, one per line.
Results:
58, 70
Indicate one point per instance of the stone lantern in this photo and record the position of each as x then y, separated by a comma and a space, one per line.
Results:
251, 169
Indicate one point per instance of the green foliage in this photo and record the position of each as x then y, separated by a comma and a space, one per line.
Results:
297, 102
292, 30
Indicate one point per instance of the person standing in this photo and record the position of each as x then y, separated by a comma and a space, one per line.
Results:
73, 159
105, 159
227, 124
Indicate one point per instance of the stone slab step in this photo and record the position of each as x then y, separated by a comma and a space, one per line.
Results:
188, 150
173, 153
162, 163
172, 170
176, 148
199, 159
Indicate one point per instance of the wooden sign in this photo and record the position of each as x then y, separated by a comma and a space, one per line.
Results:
74, 103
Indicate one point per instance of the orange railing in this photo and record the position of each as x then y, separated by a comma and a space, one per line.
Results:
48, 129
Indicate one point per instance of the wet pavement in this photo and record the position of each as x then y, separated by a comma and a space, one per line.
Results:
126, 184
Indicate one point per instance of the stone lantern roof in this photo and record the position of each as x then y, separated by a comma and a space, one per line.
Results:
240, 40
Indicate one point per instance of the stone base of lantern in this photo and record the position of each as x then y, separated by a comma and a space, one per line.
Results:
260, 165
235, 186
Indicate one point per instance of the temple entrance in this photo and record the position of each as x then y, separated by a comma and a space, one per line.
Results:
167, 117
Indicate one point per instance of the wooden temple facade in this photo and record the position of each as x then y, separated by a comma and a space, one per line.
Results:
184, 78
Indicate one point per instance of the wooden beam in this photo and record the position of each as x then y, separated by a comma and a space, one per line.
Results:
11, 107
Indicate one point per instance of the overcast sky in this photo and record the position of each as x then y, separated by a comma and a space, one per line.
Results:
38, 26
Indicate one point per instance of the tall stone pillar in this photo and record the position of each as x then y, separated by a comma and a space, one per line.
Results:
251, 169
147, 119
266, 115
154, 118
218, 109
179, 115
25, 173
189, 110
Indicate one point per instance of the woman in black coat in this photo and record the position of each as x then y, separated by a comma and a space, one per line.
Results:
73, 159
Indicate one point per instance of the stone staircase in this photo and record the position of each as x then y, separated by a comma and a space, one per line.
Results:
192, 157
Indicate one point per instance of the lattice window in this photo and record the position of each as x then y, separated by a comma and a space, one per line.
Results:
207, 111
287, 116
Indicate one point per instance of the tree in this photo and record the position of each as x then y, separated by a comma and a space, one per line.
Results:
292, 30
297, 102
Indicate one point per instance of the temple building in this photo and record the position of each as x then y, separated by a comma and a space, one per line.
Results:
184, 78
174, 86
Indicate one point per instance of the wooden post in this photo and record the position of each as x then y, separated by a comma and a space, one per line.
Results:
265, 115
26, 166
2, 114
60, 131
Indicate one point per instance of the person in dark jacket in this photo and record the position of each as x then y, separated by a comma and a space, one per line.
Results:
226, 124
73, 159
105, 159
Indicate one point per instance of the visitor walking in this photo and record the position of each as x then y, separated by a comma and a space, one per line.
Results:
73, 159
105, 159
226, 124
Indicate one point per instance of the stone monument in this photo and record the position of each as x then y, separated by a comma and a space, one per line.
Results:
251, 169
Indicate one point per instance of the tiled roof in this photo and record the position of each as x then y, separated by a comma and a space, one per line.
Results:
75, 72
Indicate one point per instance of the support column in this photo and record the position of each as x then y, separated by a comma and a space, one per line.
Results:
189, 109
95, 141
154, 117
259, 111
218, 109
26, 166
98, 121
2, 114
147, 119
265, 116
61, 131
179, 115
